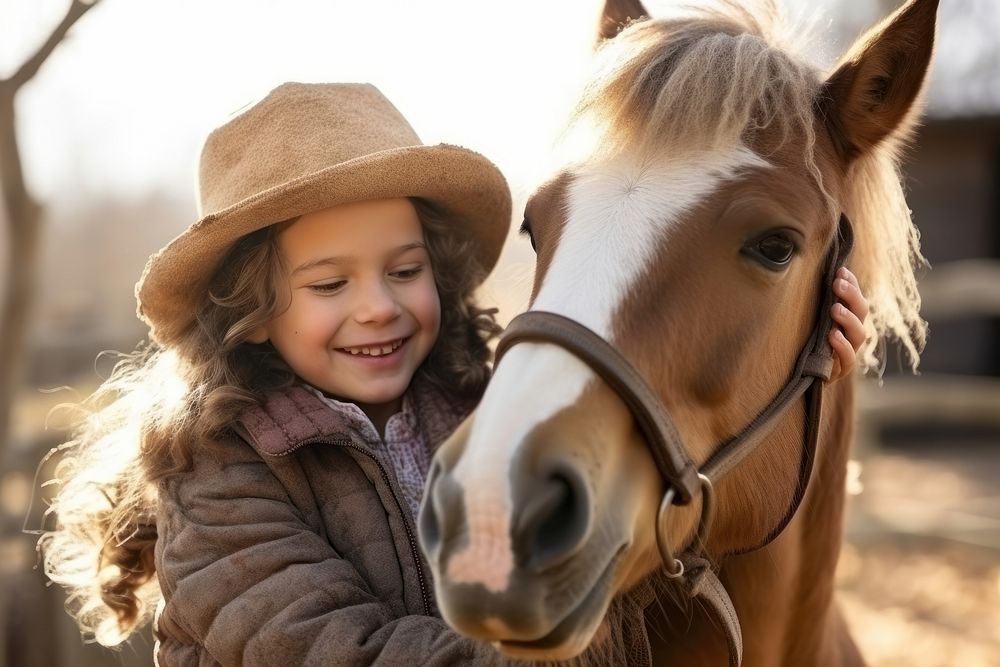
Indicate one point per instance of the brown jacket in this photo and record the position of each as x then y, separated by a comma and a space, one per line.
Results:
289, 544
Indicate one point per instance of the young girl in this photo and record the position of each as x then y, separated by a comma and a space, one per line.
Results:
254, 473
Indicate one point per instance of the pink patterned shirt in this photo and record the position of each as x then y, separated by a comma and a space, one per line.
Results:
411, 435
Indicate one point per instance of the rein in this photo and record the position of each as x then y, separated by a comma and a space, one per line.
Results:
686, 481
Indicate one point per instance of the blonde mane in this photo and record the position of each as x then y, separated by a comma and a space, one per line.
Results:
719, 77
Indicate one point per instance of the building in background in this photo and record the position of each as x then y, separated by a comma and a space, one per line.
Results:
954, 181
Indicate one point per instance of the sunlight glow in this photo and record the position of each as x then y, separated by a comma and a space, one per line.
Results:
121, 107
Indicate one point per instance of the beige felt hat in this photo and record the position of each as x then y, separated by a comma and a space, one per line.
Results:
303, 148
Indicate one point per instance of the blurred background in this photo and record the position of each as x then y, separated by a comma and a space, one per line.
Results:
102, 110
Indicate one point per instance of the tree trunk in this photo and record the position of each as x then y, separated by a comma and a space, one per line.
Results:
23, 218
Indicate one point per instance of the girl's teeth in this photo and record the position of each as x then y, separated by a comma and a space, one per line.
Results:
375, 351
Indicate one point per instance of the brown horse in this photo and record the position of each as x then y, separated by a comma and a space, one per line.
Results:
694, 234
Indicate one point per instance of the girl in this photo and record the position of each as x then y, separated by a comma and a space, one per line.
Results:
253, 474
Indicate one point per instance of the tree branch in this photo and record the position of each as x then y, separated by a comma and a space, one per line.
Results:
31, 66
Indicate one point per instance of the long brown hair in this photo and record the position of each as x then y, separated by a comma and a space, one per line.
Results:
143, 424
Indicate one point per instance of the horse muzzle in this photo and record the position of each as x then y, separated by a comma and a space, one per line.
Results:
533, 570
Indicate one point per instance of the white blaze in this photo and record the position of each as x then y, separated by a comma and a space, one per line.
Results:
618, 213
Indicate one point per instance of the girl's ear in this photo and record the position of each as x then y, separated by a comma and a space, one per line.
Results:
258, 335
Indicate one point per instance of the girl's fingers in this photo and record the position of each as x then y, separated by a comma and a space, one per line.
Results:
846, 274
843, 355
850, 325
849, 314
851, 296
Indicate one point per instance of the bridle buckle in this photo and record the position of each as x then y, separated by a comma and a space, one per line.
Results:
673, 565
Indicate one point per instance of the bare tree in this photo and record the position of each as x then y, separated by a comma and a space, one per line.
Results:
23, 215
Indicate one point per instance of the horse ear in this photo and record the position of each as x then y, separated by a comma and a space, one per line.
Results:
616, 14
873, 90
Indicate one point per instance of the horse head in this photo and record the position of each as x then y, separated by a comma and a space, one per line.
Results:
694, 235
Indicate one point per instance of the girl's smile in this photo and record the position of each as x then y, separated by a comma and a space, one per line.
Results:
361, 309
374, 349
382, 355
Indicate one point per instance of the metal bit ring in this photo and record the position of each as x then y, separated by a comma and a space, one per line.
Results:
673, 566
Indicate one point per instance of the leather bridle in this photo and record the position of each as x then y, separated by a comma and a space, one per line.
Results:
684, 480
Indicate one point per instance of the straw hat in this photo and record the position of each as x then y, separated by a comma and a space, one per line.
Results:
303, 148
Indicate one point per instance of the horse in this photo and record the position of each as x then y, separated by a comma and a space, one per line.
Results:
688, 244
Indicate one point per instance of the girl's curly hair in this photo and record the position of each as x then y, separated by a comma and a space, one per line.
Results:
144, 422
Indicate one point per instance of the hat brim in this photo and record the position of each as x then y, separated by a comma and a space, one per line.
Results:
462, 182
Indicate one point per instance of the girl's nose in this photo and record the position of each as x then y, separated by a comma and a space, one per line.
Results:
376, 305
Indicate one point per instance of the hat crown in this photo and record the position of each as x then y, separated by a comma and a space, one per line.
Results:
296, 131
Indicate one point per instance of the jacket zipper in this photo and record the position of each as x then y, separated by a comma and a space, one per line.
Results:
414, 548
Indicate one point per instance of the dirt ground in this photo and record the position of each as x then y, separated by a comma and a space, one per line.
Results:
919, 576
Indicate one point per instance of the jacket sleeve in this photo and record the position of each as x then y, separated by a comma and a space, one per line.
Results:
249, 582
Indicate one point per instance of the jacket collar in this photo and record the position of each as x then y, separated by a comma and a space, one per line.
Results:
290, 418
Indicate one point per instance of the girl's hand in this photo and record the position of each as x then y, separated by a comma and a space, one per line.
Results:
849, 314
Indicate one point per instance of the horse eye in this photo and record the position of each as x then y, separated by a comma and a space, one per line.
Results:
525, 230
774, 251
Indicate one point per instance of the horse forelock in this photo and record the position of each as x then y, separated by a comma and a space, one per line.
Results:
709, 80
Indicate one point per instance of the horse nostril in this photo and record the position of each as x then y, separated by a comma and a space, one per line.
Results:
554, 520
428, 528
441, 522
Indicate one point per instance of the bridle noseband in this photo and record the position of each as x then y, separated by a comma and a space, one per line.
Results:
684, 480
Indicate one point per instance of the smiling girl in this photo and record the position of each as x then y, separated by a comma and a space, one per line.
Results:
255, 472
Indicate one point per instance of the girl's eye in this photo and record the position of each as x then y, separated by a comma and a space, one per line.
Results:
406, 274
328, 288
773, 251
525, 230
